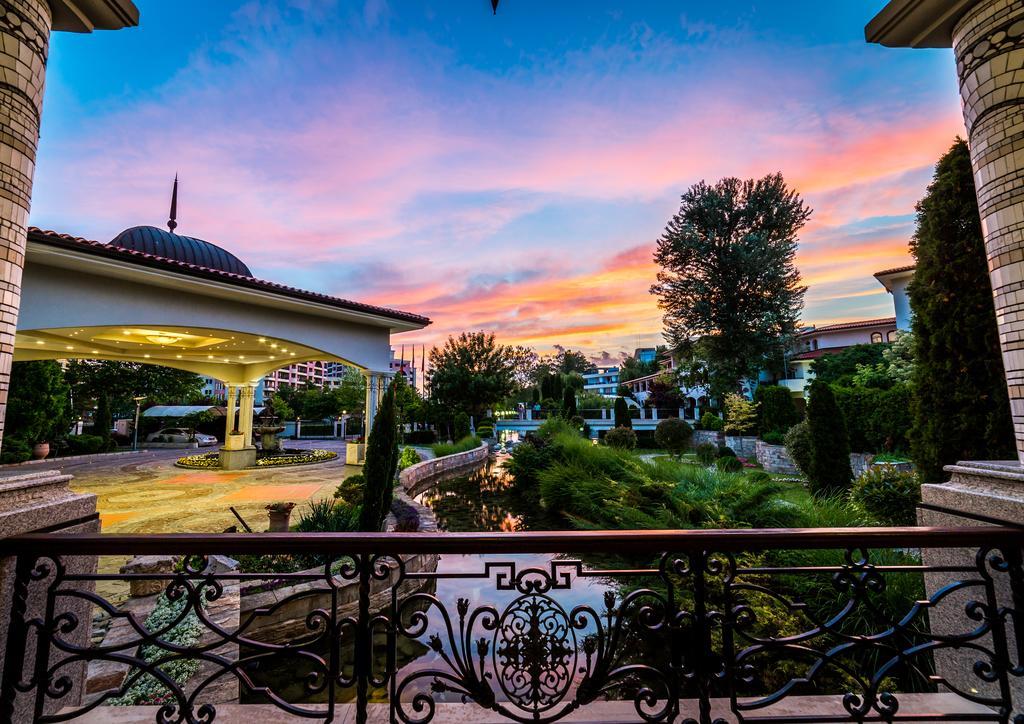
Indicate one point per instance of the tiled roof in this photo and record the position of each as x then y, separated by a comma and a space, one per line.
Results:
908, 267
131, 256
849, 325
816, 353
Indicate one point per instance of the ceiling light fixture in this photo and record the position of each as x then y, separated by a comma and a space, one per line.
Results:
164, 338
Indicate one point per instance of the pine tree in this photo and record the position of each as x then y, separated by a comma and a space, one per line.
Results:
622, 418
829, 464
381, 465
961, 407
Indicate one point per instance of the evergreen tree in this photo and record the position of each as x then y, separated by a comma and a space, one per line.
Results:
102, 421
381, 465
829, 460
569, 410
776, 411
622, 418
961, 407
728, 280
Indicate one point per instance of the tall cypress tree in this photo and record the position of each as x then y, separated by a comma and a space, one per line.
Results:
622, 418
569, 410
381, 465
830, 470
961, 407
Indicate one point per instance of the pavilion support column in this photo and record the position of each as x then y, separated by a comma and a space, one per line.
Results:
988, 43
229, 413
24, 44
245, 413
371, 402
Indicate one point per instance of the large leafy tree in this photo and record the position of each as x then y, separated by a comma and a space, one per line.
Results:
840, 368
121, 381
961, 407
471, 372
728, 278
38, 404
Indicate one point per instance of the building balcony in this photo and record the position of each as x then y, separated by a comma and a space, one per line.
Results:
797, 385
773, 625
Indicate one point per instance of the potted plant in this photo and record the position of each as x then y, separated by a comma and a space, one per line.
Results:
355, 452
280, 515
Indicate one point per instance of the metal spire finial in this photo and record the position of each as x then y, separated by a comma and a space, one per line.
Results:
494, 5
172, 222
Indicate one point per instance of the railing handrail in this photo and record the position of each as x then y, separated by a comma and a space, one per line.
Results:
623, 541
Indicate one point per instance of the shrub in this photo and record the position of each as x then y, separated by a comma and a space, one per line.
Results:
408, 458
569, 410
776, 411
876, 419
798, 445
351, 488
707, 453
724, 451
407, 518
86, 444
829, 468
674, 435
464, 445
774, 438
15, 451
484, 431
711, 421
622, 438
887, 494
729, 464
622, 418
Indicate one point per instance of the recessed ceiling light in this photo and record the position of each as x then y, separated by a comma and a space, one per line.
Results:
209, 356
178, 356
69, 347
39, 341
263, 339
241, 356
146, 356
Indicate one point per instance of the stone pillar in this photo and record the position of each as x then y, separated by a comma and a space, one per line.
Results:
988, 43
229, 413
24, 43
371, 403
245, 413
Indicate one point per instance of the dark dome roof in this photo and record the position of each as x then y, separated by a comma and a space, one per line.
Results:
151, 240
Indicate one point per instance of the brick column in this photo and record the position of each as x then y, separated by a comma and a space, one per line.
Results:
988, 43
24, 41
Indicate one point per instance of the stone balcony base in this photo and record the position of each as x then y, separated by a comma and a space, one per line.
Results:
939, 705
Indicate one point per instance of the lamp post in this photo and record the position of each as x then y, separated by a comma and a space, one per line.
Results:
344, 419
135, 430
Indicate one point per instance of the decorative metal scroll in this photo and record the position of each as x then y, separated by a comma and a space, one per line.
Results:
696, 636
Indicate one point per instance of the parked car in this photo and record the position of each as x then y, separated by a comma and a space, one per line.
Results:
180, 434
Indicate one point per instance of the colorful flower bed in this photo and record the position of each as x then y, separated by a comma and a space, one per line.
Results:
211, 460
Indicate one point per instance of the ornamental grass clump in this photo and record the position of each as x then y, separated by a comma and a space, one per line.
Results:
408, 458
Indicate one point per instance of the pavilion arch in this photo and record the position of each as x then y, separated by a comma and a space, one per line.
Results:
148, 296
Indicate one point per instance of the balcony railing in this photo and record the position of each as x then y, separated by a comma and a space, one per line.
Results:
749, 625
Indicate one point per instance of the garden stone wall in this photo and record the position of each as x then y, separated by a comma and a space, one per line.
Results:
715, 437
860, 462
745, 447
775, 459
421, 476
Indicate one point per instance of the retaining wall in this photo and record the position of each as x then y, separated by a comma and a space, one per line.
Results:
715, 437
417, 478
775, 459
745, 447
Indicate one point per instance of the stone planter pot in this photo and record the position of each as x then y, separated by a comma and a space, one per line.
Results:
355, 453
40, 450
280, 517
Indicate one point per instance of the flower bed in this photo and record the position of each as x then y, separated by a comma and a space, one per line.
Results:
211, 460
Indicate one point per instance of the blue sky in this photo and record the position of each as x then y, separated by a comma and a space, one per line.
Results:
506, 173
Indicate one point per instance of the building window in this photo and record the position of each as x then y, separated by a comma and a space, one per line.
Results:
876, 337
891, 336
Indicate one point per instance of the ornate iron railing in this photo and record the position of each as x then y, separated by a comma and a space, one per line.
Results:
691, 626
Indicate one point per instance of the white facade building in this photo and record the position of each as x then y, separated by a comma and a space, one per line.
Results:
603, 381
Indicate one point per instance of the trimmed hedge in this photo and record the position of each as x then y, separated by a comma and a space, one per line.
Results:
622, 438
876, 420
888, 494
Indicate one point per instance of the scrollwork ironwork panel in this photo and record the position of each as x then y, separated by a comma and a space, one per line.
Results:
701, 626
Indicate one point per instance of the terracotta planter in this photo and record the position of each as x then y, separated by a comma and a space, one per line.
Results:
355, 453
280, 517
40, 450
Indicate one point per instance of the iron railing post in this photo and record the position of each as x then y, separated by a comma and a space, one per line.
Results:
17, 639
363, 643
